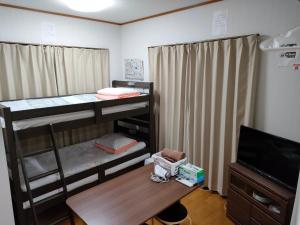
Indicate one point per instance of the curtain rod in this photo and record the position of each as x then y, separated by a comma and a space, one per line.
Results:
36, 44
209, 40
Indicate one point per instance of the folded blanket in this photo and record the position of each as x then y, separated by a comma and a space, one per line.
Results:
115, 143
172, 155
110, 97
117, 91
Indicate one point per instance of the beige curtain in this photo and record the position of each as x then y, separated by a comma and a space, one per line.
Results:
82, 71
26, 71
203, 93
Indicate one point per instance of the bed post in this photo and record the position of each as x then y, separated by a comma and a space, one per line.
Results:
151, 120
115, 122
150, 87
11, 148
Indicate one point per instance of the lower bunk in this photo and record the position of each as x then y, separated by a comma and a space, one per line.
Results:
84, 166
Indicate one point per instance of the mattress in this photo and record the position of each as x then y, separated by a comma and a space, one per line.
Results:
89, 179
75, 159
60, 101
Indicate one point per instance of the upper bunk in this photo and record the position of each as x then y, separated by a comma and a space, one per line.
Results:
85, 109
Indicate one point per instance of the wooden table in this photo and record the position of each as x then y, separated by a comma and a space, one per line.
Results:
129, 199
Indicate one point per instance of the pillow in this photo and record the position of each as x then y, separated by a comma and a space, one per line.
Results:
115, 143
117, 91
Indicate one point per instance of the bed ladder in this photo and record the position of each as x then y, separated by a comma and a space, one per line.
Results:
27, 179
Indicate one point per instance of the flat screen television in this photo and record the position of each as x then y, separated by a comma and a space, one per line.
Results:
271, 156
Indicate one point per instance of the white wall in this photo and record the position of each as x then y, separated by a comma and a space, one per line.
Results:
25, 26
6, 212
278, 103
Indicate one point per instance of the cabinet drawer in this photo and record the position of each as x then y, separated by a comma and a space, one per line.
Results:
238, 207
260, 218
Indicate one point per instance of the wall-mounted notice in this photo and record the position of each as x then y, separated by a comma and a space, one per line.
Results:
288, 58
219, 22
48, 32
134, 69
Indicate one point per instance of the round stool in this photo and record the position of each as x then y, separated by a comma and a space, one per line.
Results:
175, 214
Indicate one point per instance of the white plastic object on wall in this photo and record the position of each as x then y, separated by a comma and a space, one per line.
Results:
286, 41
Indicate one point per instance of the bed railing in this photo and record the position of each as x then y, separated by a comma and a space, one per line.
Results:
133, 84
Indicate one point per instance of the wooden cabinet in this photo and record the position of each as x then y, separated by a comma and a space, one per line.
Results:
244, 209
261, 218
238, 206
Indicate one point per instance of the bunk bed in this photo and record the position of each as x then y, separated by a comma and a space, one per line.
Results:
81, 165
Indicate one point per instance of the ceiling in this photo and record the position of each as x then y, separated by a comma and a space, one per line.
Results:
122, 12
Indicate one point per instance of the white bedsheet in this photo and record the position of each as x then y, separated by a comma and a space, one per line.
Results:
74, 158
59, 101
89, 179
49, 102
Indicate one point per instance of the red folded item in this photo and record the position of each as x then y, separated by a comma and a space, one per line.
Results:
116, 91
110, 97
117, 150
172, 155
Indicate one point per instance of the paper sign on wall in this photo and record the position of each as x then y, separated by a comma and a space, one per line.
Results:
48, 32
219, 22
134, 69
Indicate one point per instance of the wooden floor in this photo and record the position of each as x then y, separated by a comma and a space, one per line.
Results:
205, 208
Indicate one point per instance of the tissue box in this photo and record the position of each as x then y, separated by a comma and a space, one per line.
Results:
192, 173
172, 168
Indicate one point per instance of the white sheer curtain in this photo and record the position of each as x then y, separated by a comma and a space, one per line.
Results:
203, 93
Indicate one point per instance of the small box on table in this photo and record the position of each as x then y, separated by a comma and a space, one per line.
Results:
192, 173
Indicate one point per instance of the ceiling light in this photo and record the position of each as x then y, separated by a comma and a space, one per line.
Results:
88, 5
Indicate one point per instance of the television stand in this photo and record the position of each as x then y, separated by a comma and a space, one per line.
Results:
256, 200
